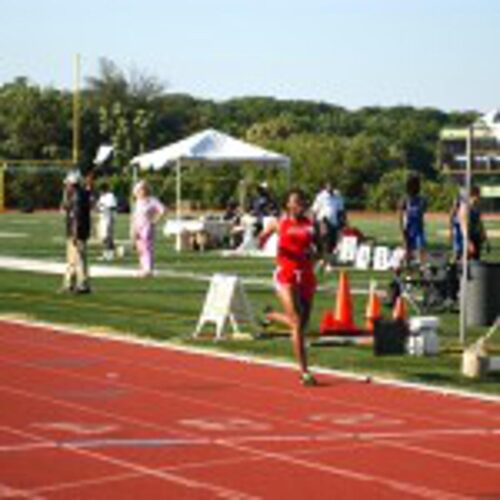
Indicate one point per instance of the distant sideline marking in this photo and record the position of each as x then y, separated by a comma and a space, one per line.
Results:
364, 419
224, 424
10, 235
81, 429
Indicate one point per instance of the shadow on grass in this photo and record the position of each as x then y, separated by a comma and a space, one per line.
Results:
441, 378
433, 378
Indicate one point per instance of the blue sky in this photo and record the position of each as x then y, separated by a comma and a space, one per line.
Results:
441, 53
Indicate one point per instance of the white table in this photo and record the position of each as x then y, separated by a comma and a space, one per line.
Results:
216, 229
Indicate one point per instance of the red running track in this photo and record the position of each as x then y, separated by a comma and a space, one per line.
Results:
85, 417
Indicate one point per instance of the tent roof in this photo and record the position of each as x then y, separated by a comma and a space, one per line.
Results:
209, 146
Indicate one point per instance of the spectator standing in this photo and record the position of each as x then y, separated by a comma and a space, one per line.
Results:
456, 236
328, 210
148, 210
76, 205
411, 221
473, 222
106, 206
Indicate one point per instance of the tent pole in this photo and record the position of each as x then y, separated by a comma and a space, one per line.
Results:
3, 169
178, 193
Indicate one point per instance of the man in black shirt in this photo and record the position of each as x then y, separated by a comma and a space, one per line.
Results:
76, 205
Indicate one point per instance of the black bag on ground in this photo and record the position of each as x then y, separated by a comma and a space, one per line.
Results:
389, 337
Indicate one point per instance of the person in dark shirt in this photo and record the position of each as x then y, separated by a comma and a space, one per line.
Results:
263, 204
76, 206
473, 222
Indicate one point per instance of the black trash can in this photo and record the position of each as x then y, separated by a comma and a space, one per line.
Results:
483, 293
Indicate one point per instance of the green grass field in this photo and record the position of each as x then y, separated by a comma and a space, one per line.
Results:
168, 308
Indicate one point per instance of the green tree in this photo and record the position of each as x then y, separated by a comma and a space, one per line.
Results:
366, 159
125, 106
35, 122
390, 189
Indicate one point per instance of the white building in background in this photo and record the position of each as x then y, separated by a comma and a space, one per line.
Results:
452, 146
452, 155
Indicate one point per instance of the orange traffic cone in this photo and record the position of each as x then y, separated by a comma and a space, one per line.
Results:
400, 311
327, 324
373, 308
342, 322
343, 308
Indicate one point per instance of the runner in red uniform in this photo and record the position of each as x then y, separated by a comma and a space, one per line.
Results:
294, 276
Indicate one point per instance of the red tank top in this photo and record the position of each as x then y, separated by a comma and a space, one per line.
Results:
295, 239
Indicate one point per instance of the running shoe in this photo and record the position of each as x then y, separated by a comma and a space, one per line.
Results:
307, 379
264, 322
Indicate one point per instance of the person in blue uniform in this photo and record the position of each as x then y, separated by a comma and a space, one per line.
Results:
411, 220
456, 236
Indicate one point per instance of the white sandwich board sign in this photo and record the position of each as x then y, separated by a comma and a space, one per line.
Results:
226, 302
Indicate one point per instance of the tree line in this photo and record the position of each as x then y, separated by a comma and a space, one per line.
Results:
366, 153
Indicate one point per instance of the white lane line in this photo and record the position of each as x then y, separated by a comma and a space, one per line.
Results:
77, 428
487, 464
207, 352
382, 437
387, 440
271, 390
8, 492
400, 486
143, 471
219, 491
225, 407
408, 435
192, 466
323, 398
237, 410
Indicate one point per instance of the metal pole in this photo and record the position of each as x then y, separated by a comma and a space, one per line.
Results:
3, 169
178, 194
465, 257
76, 110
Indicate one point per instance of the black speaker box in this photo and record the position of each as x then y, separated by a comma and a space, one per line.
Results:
390, 337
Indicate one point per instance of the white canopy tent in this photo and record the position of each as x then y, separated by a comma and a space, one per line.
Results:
207, 148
